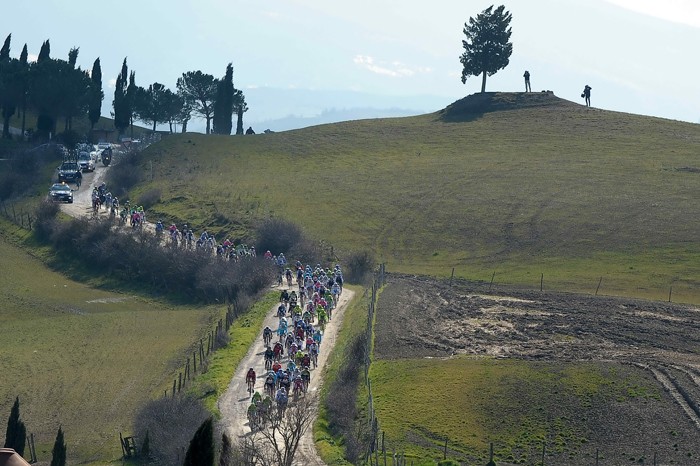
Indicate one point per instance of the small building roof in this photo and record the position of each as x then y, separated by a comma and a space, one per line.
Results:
9, 457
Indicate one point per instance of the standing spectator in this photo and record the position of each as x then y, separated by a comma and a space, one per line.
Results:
78, 179
587, 95
527, 81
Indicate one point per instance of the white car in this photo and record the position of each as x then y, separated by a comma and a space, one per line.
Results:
103, 145
86, 162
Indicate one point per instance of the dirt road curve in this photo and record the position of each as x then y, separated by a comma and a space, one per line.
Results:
82, 201
234, 403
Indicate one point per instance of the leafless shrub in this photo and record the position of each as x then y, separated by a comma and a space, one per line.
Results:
124, 174
358, 267
277, 442
277, 235
45, 214
170, 423
149, 198
340, 403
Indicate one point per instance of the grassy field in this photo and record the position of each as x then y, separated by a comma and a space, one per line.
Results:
84, 358
552, 188
518, 405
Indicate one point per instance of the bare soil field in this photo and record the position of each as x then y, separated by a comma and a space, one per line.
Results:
649, 349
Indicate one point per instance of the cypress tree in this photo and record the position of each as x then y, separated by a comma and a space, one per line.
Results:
201, 449
23, 60
73, 56
16, 434
44, 52
223, 106
131, 93
122, 115
24, 55
96, 94
240, 107
5, 50
58, 454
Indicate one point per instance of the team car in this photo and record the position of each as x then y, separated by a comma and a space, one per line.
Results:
68, 171
87, 164
61, 192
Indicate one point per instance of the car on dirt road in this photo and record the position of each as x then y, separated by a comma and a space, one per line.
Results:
61, 192
87, 164
68, 172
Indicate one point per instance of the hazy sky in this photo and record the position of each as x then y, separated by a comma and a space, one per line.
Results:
639, 56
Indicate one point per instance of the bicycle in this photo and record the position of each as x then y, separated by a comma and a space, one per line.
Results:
251, 385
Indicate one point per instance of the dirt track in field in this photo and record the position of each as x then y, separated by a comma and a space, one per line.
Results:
656, 342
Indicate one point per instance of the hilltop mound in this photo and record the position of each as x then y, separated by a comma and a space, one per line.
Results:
476, 105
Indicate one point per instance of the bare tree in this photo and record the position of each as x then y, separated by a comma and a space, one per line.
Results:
277, 442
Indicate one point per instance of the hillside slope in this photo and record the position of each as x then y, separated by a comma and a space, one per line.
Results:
83, 358
517, 183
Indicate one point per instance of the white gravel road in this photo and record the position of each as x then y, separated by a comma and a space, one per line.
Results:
235, 401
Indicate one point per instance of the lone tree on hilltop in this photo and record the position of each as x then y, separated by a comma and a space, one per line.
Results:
16, 433
487, 48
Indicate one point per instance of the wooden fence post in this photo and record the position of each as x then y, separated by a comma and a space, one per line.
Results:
544, 446
492, 277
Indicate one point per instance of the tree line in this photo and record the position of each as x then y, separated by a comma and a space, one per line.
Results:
56, 90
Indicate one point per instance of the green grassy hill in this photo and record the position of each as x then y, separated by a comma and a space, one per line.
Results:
517, 184
84, 358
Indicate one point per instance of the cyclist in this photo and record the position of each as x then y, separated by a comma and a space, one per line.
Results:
281, 310
284, 296
306, 377
267, 335
313, 352
317, 337
269, 356
250, 379
270, 383
278, 351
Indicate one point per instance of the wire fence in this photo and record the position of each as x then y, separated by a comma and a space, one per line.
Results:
380, 450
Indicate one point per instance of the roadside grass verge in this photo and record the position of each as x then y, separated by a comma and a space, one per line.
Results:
208, 387
331, 446
84, 358
570, 192
515, 404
